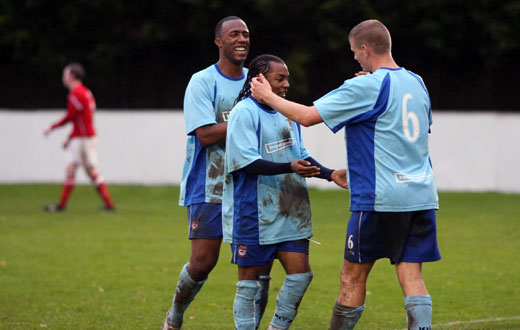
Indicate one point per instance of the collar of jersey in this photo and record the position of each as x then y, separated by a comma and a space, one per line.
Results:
392, 69
228, 77
263, 106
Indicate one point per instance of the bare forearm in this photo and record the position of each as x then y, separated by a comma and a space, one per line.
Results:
304, 115
211, 134
292, 110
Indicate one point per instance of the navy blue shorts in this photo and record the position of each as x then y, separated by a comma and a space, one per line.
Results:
205, 220
399, 236
258, 255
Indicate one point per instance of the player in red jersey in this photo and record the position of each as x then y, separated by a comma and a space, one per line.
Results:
82, 140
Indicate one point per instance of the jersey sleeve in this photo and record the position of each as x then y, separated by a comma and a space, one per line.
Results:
345, 102
198, 104
72, 111
242, 140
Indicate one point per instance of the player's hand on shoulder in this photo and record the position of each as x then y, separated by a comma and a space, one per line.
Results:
304, 168
340, 178
361, 73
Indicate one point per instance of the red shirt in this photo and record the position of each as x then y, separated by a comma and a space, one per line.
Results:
80, 111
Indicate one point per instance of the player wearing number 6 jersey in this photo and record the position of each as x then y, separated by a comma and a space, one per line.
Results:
386, 116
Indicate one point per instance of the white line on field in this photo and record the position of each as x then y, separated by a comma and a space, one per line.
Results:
495, 319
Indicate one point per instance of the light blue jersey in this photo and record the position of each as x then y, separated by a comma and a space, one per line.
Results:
387, 117
263, 209
209, 98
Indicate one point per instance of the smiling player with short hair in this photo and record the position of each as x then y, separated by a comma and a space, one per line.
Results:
208, 100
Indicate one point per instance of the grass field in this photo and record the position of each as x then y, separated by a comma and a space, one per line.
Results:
85, 269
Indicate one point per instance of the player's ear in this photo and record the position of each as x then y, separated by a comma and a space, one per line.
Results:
218, 42
366, 49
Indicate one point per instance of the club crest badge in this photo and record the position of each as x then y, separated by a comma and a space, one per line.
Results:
242, 251
194, 224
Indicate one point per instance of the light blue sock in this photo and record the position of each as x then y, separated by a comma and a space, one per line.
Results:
244, 305
418, 312
289, 299
262, 295
345, 317
185, 292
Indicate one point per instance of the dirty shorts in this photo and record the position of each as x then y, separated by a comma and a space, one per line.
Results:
258, 255
205, 220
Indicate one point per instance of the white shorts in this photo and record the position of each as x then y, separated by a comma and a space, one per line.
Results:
82, 151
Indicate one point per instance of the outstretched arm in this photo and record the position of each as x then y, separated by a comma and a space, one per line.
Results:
262, 92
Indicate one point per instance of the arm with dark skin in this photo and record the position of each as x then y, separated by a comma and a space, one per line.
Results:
211, 134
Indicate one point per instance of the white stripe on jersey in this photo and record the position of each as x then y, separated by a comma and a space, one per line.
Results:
76, 102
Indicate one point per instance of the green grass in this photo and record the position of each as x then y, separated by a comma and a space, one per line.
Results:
85, 269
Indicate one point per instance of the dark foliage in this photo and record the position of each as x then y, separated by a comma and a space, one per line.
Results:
141, 54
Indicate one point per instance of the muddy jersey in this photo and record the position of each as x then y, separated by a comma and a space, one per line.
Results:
387, 117
208, 100
263, 209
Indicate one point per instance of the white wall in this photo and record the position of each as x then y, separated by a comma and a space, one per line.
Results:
470, 151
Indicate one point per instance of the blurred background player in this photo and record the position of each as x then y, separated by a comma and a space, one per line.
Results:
266, 208
208, 100
82, 140
387, 117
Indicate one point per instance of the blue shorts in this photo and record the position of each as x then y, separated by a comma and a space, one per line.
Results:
205, 220
399, 236
258, 255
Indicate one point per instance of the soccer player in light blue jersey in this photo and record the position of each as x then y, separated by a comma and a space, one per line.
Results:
266, 209
387, 117
209, 98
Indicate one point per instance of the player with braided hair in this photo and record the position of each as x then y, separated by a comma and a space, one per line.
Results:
265, 209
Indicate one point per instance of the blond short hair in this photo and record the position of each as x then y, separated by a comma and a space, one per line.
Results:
372, 33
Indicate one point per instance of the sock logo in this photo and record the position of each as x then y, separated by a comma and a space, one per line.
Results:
425, 328
283, 318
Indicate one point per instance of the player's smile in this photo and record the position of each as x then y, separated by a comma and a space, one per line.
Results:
241, 51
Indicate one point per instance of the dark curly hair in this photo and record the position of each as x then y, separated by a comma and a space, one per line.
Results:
259, 65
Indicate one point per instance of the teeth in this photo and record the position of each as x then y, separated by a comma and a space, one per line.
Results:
240, 48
